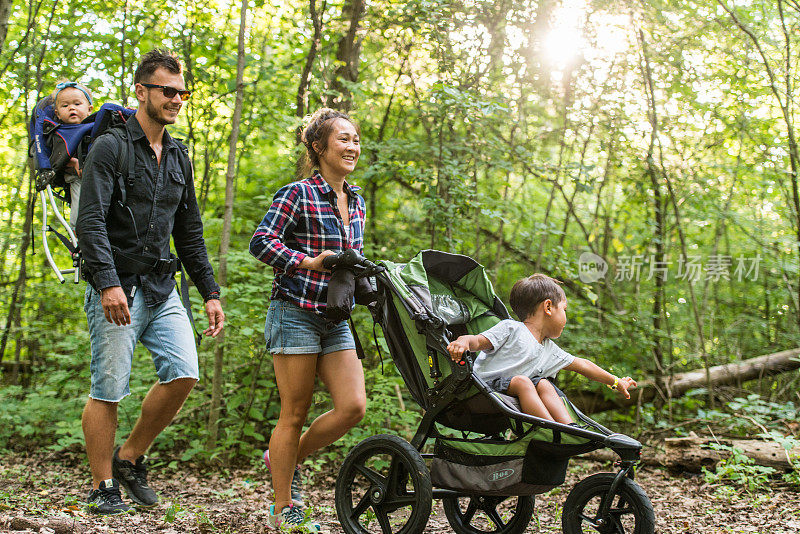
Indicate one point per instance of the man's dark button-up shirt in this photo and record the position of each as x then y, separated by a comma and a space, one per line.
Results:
156, 207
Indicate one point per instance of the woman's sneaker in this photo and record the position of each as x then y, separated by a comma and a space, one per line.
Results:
298, 498
107, 500
292, 519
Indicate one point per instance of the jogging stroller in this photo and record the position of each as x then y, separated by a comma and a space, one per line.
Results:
488, 458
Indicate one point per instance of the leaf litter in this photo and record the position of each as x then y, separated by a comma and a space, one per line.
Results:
44, 493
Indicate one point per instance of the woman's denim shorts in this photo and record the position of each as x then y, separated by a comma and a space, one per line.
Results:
293, 330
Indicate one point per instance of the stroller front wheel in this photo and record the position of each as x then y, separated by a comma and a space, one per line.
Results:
629, 512
479, 514
384, 486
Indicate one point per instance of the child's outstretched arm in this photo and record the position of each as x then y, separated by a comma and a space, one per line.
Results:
598, 374
464, 343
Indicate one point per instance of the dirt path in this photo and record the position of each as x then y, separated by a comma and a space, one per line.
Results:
44, 494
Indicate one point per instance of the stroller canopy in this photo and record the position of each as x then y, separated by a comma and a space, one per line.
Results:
433, 294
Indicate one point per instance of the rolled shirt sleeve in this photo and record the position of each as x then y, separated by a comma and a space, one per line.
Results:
268, 241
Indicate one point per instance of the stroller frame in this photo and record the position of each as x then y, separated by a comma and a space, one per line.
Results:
618, 495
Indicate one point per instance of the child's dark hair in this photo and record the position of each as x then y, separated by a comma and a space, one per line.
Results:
529, 292
154, 59
318, 129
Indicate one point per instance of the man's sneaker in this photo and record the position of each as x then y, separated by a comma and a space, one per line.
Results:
292, 519
107, 500
298, 498
133, 477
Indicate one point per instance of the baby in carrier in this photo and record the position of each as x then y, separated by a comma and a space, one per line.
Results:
72, 103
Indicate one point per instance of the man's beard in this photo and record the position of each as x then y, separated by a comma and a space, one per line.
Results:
154, 114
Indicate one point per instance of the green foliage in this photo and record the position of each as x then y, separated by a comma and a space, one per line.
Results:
739, 469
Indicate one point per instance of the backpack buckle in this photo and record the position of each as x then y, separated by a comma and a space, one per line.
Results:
164, 266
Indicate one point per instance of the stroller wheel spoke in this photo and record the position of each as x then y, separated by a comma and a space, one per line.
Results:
484, 514
383, 519
588, 519
472, 507
361, 507
397, 477
371, 475
400, 501
495, 517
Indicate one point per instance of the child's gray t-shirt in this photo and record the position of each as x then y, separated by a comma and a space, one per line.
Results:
516, 352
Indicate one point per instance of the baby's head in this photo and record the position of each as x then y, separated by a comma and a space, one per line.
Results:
541, 298
72, 102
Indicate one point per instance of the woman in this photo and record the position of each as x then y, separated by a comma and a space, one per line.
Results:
308, 220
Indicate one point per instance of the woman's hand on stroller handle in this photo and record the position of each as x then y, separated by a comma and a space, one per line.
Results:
317, 263
350, 259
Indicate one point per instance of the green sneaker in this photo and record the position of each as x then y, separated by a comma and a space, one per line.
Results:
291, 519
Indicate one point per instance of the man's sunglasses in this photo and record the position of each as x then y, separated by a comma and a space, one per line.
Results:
168, 91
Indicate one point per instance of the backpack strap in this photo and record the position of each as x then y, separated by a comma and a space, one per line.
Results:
126, 157
186, 169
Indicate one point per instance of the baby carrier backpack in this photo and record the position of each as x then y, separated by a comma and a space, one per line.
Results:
52, 145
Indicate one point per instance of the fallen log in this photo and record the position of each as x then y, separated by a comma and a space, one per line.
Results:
731, 373
693, 452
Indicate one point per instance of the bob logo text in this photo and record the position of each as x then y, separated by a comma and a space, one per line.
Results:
500, 475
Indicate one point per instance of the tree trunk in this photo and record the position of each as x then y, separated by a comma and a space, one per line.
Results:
347, 56
720, 375
302, 88
5, 13
19, 287
225, 238
692, 453
123, 89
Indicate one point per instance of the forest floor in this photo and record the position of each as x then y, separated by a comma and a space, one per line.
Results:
44, 493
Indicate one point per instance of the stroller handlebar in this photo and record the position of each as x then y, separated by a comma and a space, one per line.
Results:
351, 259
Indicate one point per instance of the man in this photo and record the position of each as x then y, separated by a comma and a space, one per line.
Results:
128, 211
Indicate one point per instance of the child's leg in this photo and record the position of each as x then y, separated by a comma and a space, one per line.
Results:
553, 403
522, 388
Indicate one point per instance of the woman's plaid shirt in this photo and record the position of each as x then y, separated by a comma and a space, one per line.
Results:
303, 220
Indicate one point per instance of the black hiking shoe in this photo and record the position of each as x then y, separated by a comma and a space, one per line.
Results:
107, 500
133, 477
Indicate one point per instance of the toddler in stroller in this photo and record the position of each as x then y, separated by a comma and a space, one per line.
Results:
519, 358
488, 458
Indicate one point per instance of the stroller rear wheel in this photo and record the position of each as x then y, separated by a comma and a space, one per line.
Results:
629, 512
479, 514
383, 486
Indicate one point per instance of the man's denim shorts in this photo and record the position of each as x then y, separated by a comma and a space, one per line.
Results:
293, 330
163, 329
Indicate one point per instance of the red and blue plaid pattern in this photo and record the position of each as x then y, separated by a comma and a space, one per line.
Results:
303, 221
